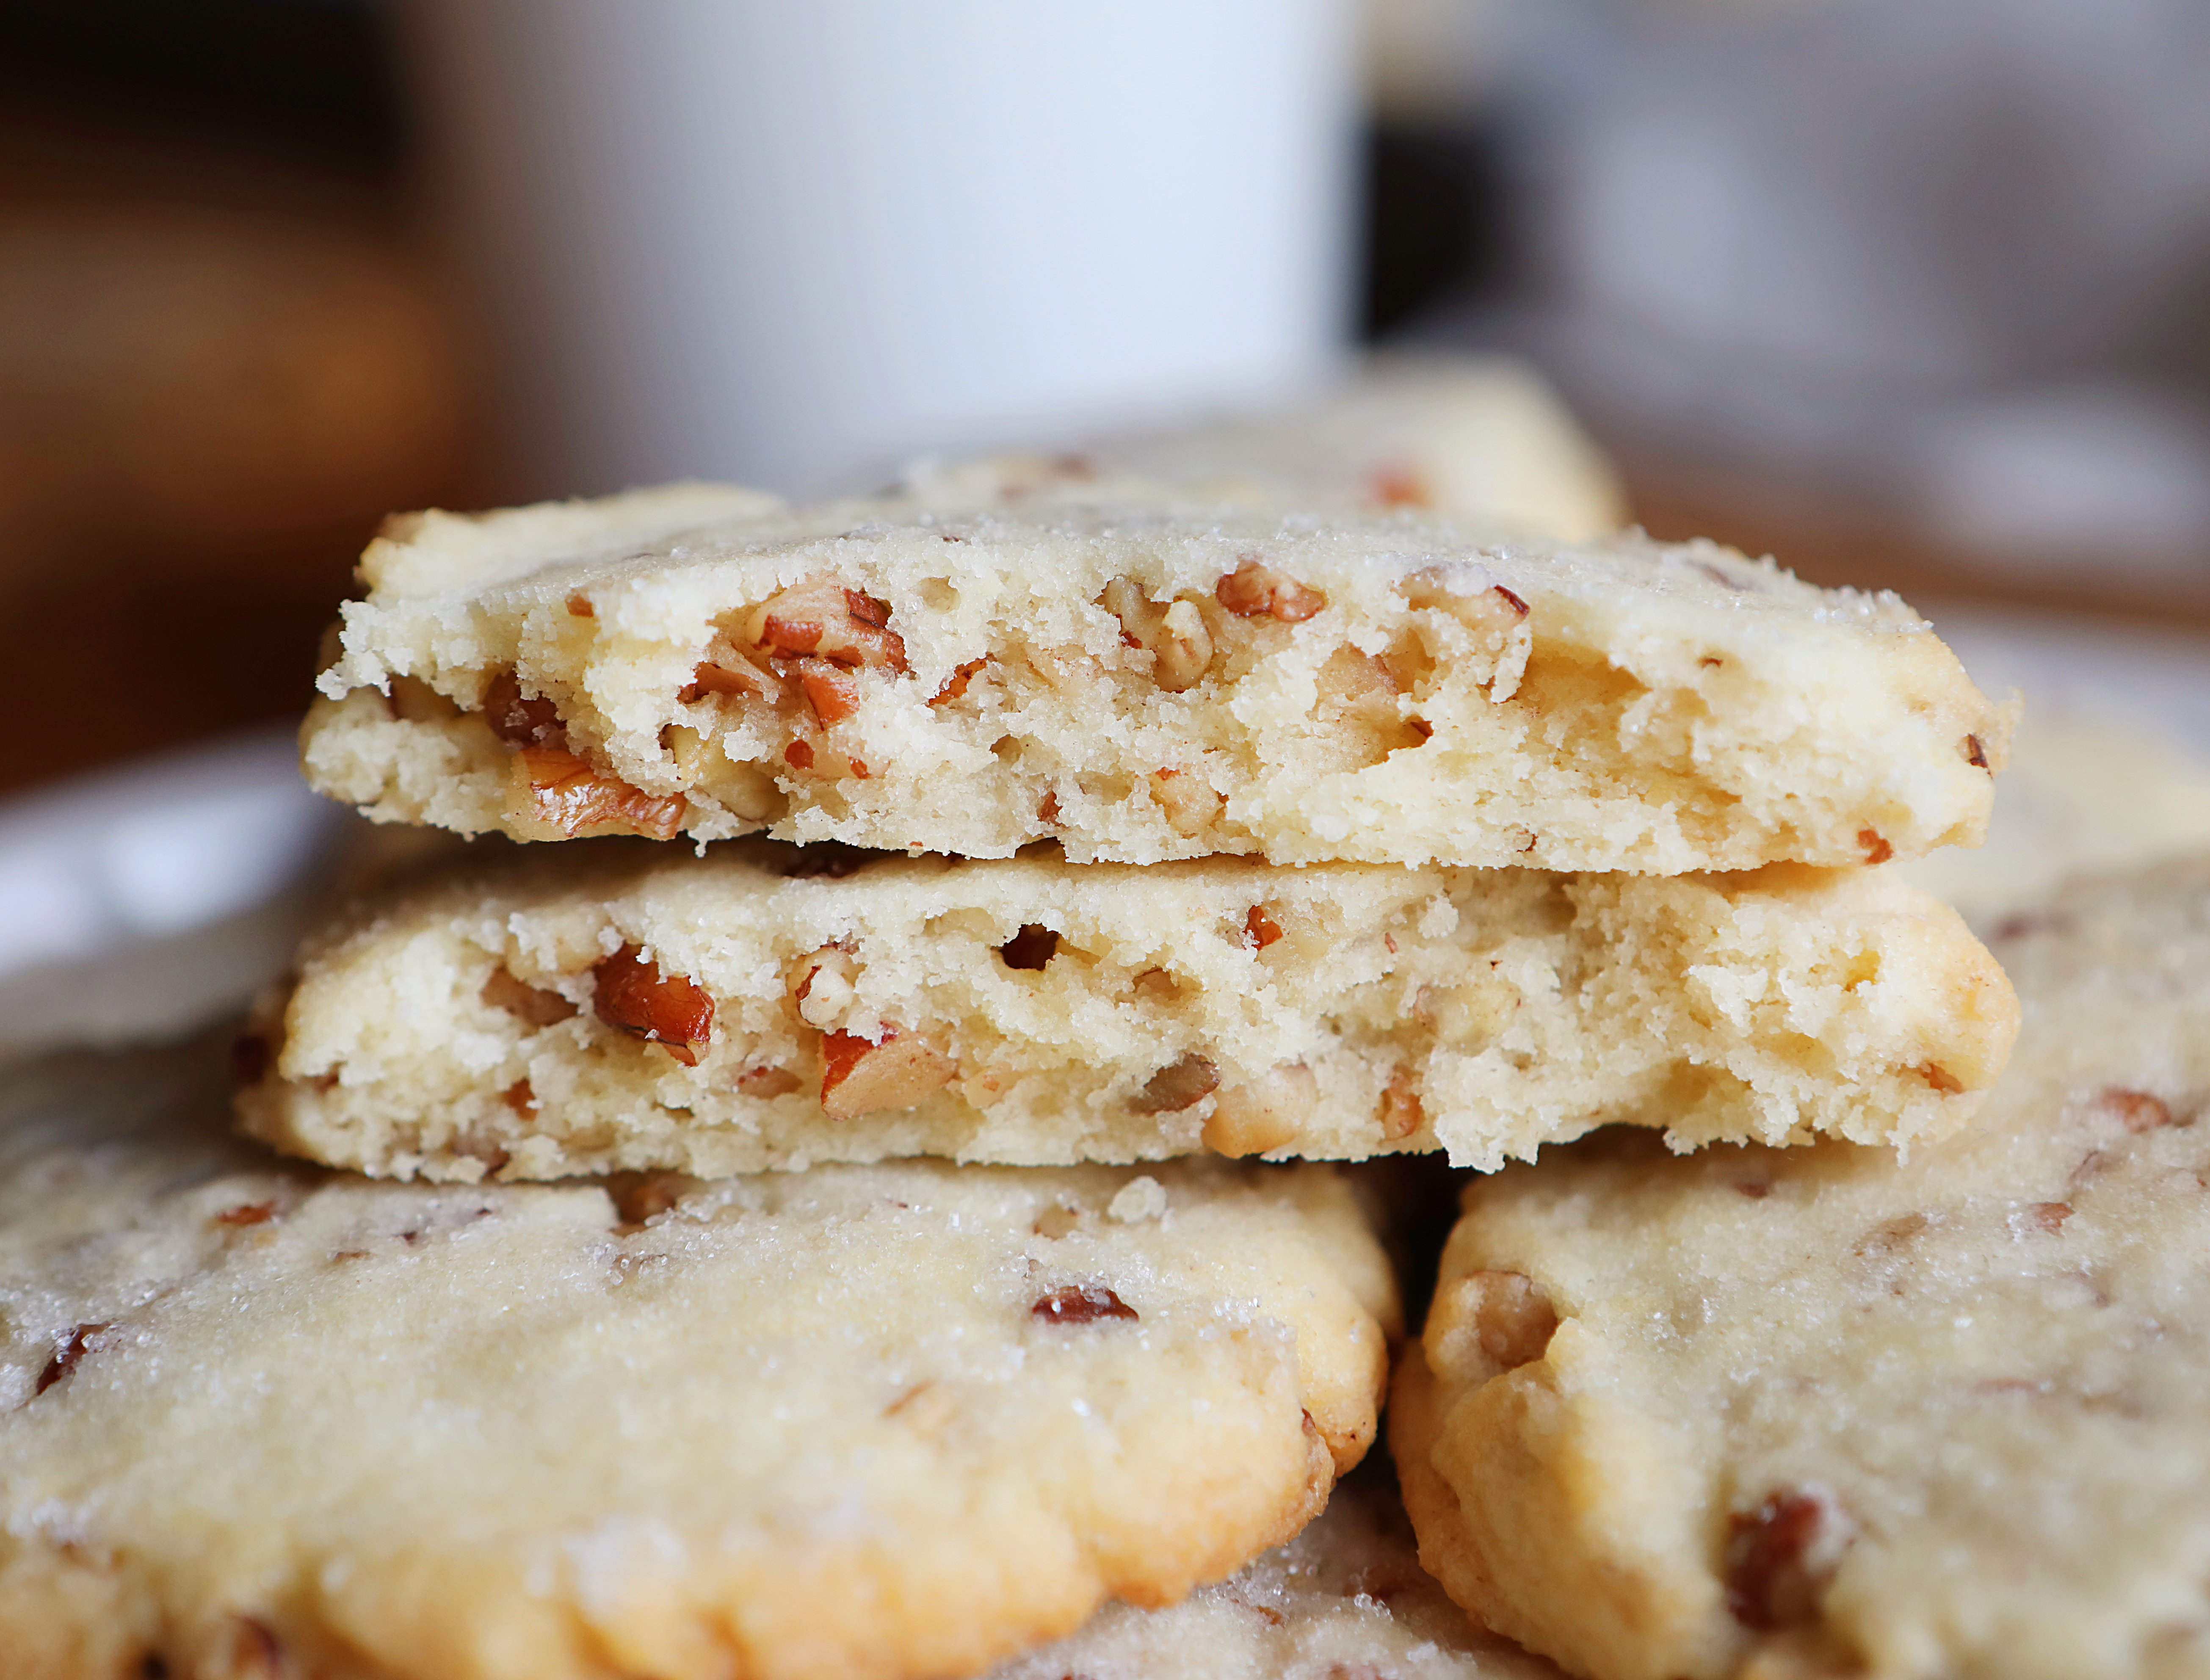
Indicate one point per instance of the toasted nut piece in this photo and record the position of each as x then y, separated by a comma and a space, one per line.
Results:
1268, 1113
556, 790
955, 684
1400, 486
1176, 1086
858, 1077
831, 690
1487, 1323
1399, 1110
1260, 929
1172, 632
822, 617
533, 1006
1876, 849
1256, 591
725, 671
1192, 805
2136, 1111
85, 1339
520, 721
747, 790
1781, 1557
671, 1010
1082, 1303
1488, 613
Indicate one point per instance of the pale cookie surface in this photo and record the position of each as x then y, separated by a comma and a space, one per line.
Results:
1140, 680
1345, 1600
257, 1420
559, 1010
1822, 1412
1479, 436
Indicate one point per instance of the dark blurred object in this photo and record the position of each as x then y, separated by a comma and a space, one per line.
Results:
1435, 230
221, 362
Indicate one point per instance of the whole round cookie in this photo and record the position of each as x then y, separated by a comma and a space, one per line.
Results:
257, 1420
1140, 678
1345, 1600
1826, 1411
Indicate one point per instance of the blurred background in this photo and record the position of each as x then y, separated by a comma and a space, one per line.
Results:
1910, 293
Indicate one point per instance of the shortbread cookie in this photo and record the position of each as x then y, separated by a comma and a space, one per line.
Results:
1142, 680
1345, 1600
883, 1421
1823, 1411
1479, 436
621, 1005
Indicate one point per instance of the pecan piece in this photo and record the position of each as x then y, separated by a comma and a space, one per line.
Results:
1257, 591
830, 689
1400, 1111
1781, 1557
1172, 632
823, 618
247, 1213
1080, 1303
1876, 849
1486, 1323
1267, 1113
2136, 1111
520, 721
895, 1071
671, 1010
1177, 1085
955, 684
533, 1006
570, 794
73, 1347
1260, 929
1487, 613
724, 672
1399, 486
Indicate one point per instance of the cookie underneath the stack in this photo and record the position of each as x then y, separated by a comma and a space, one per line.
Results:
1824, 1411
619, 1005
861, 1421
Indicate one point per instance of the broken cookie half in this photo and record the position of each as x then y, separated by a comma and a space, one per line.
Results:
615, 1004
1139, 679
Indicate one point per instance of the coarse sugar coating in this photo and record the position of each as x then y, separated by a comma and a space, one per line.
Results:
1141, 678
256, 1419
615, 1004
1345, 1600
1821, 1411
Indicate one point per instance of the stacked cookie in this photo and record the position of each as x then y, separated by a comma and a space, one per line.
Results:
1060, 827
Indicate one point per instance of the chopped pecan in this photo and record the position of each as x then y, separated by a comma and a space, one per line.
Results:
763, 1082
521, 1097
2136, 1111
1081, 1303
1260, 929
823, 618
579, 606
2048, 1217
533, 1006
570, 794
1267, 1113
895, 1071
73, 1347
1181, 1083
1976, 753
1399, 486
1941, 1079
798, 755
520, 720
1876, 849
1192, 804
1256, 591
1032, 948
955, 684
730, 673
1487, 1322
671, 1010
830, 689
1400, 1110
1487, 613
247, 1213
1781, 1556
1172, 632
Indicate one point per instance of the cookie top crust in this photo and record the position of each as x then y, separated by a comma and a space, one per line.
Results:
1140, 678
901, 1420
1825, 1408
612, 1004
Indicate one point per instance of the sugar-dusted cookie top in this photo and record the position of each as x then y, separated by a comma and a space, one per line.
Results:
1141, 680
1821, 1411
563, 1009
883, 1421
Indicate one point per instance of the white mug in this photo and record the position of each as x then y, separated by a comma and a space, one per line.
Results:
790, 242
